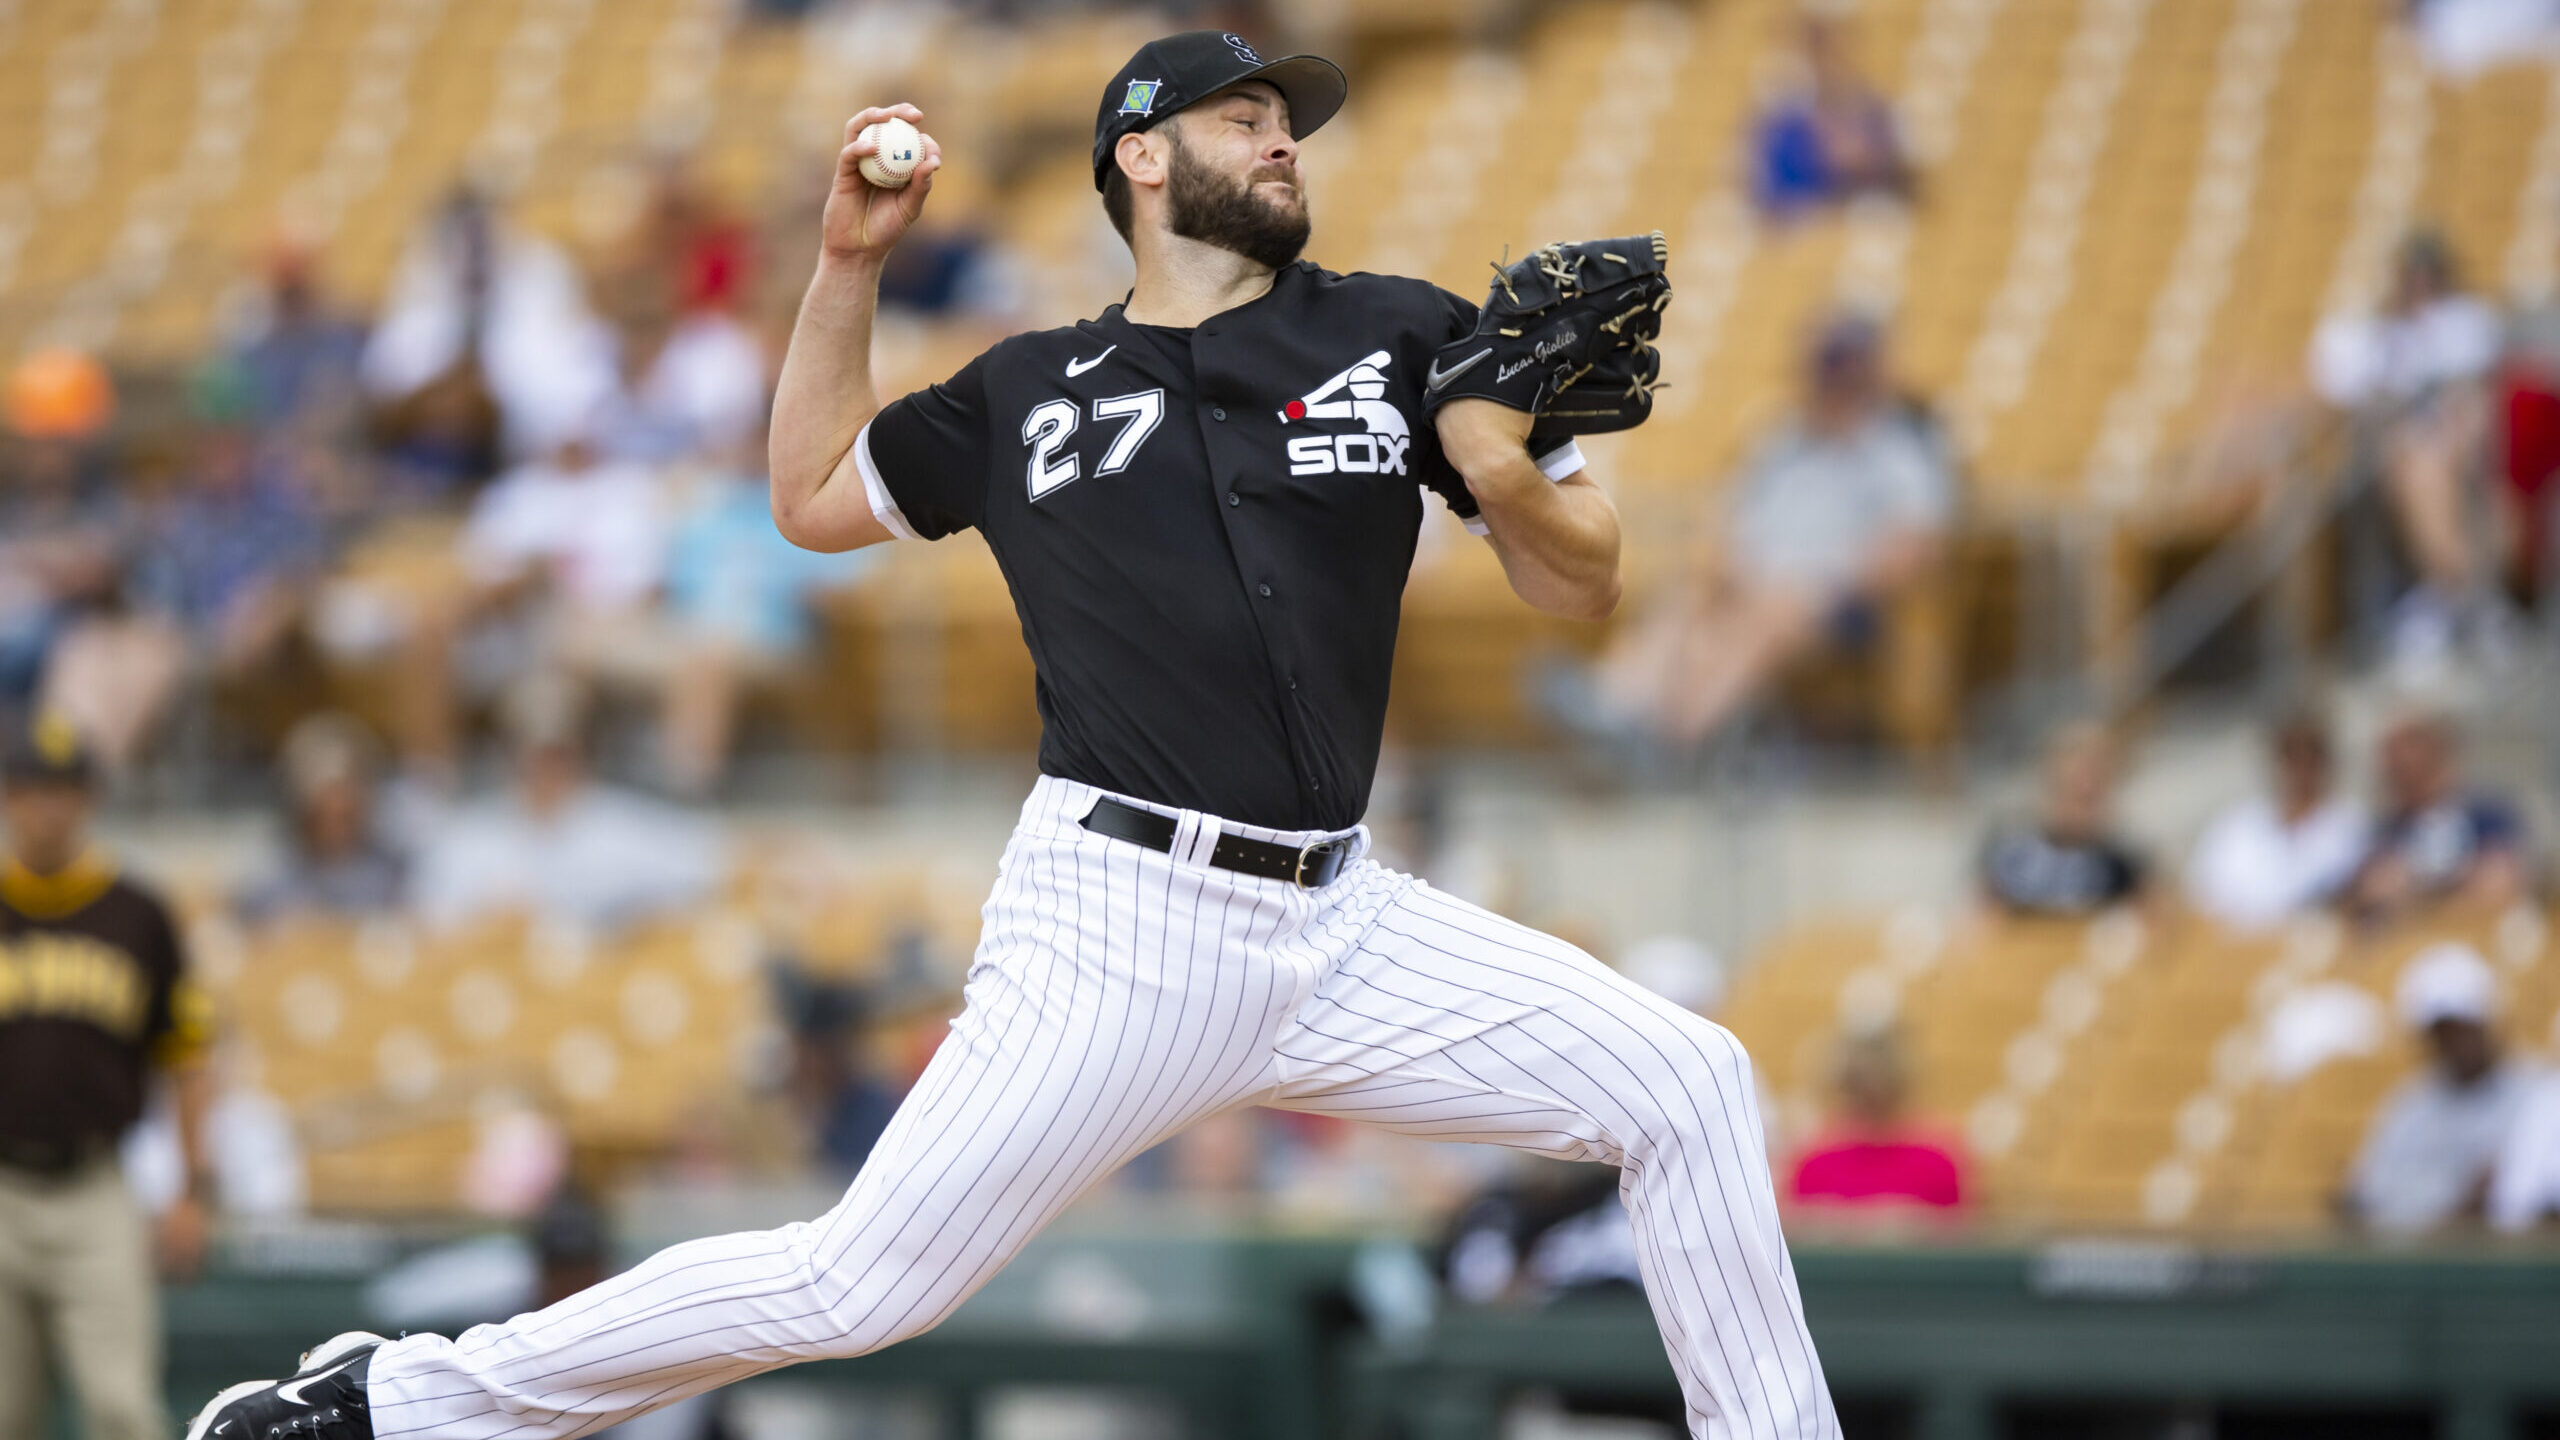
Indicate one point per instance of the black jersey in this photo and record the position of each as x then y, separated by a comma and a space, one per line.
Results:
1206, 531
92, 993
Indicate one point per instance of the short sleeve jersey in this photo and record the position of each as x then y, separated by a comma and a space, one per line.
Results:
1206, 531
92, 994
2032, 872
2442, 843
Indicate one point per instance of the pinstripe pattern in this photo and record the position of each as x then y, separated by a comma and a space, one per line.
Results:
1118, 996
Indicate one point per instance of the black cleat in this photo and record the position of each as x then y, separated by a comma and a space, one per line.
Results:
324, 1400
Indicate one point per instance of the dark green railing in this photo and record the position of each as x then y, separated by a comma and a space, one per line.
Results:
1253, 1336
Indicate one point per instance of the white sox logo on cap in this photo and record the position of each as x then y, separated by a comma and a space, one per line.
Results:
1236, 43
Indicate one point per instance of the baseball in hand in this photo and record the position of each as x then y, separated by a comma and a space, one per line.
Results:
894, 163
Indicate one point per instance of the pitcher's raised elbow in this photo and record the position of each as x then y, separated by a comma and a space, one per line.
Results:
787, 519
1590, 600
1599, 599
793, 516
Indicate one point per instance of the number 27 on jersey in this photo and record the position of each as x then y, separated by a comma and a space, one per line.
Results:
1049, 425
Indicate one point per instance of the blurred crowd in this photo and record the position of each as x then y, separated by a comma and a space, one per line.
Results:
2429, 421
532, 460
488, 576
527, 461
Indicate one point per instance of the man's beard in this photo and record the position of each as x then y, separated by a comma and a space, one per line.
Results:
1205, 206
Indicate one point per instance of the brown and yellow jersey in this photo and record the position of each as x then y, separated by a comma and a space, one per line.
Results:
93, 993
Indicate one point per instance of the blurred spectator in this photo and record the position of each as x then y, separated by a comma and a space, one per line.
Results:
2529, 444
1831, 139
59, 395
2461, 38
224, 571
709, 254
300, 360
1874, 1158
61, 541
519, 1159
477, 303
558, 844
834, 1083
2525, 1192
2272, 856
435, 443
738, 608
337, 858
1556, 1229
71, 639
589, 531
2439, 841
98, 1005
1841, 510
2427, 1159
571, 1245
58, 558
562, 559
115, 673
686, 383
2411, 376
2069, 861
940, 274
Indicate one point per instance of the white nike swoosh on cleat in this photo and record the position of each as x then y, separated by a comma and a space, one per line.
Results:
1078, 367
1439, 377
292, 1391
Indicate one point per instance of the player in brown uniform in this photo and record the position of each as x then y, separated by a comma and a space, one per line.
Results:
93, 1001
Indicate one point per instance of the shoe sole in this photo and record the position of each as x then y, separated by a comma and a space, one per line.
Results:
314, 1360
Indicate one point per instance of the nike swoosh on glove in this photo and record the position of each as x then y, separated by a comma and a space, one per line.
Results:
1567, 335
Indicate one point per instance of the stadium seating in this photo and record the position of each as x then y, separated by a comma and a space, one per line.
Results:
2127, 205
1991, 316
2109, 1074
393, 1047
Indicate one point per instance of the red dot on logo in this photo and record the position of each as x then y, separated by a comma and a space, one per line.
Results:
1295, 410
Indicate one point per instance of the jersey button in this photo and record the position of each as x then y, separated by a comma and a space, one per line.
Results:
1266, 592
1217, 412
1234, 499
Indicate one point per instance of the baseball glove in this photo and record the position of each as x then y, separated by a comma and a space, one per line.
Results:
1566, 335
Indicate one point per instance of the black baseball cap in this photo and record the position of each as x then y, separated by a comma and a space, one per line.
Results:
1180, 70
48, 750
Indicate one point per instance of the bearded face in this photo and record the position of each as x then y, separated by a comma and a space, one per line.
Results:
1235, 212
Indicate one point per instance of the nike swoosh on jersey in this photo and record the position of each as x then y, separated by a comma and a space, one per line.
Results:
291, 1391
1078, 367
1439, 377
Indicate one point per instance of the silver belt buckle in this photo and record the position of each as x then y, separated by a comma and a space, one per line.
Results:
1298, 875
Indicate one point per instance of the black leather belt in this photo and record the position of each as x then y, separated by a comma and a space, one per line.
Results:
1311, 866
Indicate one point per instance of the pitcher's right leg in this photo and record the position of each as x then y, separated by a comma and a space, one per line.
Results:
1117, 999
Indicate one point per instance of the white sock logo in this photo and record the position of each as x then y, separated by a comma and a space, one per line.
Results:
1380, 451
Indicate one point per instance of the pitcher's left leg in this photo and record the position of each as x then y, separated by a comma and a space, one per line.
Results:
1446, 1021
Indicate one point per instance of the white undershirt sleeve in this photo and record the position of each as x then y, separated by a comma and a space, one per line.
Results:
874, 489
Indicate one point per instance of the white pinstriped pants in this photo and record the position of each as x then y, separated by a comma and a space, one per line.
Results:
1119, 995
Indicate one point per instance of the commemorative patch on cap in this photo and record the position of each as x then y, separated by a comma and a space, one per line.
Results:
1141, 97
